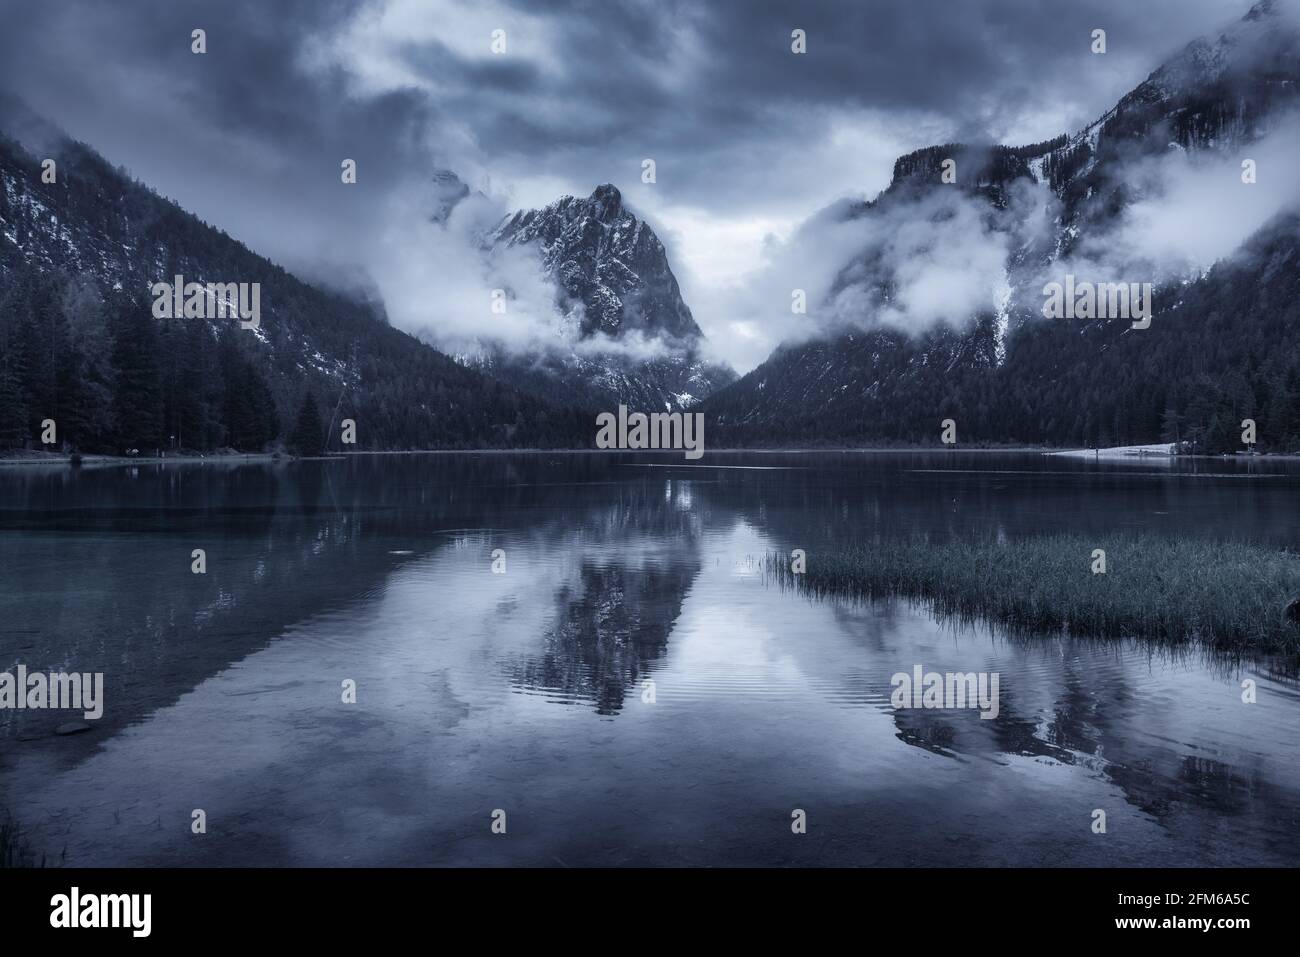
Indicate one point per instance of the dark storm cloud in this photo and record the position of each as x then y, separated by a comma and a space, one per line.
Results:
714, 92
243, 135
748, 137
711, 91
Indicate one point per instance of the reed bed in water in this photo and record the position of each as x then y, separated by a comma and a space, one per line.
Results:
1228, 596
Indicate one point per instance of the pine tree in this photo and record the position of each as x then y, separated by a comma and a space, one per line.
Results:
137, 392
264, 422
308, 438
15, 410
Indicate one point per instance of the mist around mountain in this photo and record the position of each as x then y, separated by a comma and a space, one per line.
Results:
79, 344
614, 327
930, 302
923, 304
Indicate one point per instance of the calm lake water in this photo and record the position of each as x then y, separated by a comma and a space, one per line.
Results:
523, 691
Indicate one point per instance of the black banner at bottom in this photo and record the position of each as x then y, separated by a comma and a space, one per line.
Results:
332, 906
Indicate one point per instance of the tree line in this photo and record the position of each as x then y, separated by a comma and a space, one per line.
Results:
79, 344
1222, 351
112, 378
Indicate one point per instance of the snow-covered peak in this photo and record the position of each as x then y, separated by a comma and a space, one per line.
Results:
603, 256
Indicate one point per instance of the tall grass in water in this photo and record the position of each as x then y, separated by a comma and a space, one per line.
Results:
1227, 596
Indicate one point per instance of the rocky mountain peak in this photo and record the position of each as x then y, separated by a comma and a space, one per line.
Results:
1259, 46
606, 202
609, 266
447, 190
1232, 88
615, 288
1261, 10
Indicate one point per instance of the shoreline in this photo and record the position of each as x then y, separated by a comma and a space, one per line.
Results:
23, 459
94, 459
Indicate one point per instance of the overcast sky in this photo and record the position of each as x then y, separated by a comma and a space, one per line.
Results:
749, 139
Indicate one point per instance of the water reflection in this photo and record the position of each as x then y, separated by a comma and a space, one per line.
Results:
523, 690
